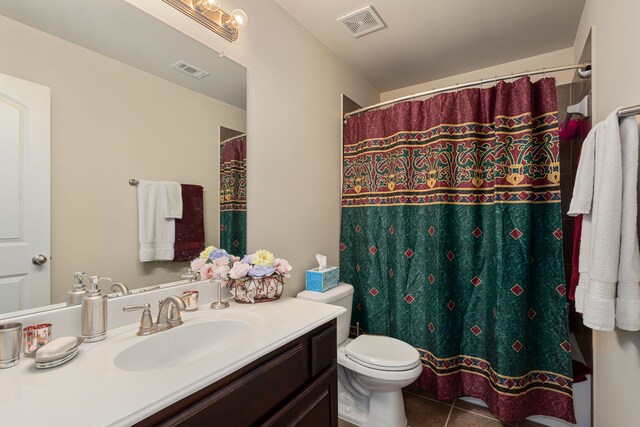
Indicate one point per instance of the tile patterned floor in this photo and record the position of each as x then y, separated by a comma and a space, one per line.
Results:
425, 411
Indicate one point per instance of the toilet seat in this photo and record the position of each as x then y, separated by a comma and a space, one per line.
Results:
382, 353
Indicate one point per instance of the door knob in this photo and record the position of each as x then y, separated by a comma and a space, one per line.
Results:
39, 259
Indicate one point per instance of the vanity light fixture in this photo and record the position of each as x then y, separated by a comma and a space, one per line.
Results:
209, 13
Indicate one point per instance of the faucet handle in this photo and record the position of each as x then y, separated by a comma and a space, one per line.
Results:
136, 307
146, 321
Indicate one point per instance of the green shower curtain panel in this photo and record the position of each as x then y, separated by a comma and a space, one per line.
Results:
452, 238
233, 195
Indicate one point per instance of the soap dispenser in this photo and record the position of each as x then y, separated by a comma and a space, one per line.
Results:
74, 296
94, 311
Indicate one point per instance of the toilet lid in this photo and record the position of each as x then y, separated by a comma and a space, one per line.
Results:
383, 353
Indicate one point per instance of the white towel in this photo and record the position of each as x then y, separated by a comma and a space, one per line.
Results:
628, 300
582, 200
172, 199
156, 233
583, 263
605, 216
581, 205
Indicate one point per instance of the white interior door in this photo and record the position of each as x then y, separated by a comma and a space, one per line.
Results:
25, 199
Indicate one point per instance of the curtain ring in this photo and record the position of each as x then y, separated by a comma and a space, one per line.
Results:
544, 73
456, 87
481, 83
511, 77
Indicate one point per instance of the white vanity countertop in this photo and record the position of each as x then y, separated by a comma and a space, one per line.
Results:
92, 390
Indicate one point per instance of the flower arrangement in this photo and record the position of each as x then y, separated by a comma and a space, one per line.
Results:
213, 263
256, 277
260, 264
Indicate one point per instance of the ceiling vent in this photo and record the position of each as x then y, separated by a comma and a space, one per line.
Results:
362, 21
189, 69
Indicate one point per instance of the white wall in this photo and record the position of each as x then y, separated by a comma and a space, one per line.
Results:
546, 60
112, 122
616, 82
293, 126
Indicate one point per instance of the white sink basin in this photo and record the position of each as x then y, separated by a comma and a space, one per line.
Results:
181, 345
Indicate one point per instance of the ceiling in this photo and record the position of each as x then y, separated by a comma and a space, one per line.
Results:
430, 39
116, 29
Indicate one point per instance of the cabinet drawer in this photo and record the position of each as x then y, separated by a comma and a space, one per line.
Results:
323, 350
316, 406
251, 397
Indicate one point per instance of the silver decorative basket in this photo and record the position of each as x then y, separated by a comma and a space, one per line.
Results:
256, 289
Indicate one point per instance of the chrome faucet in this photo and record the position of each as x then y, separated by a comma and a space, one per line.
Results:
120, 287
168, 315
169, 312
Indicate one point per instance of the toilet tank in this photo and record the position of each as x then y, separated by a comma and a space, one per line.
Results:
341, 295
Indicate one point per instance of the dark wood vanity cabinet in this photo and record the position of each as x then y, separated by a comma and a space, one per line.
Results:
295, 385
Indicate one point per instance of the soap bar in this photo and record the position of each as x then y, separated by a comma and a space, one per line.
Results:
57, 347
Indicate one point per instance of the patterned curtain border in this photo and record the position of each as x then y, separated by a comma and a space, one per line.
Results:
233, 174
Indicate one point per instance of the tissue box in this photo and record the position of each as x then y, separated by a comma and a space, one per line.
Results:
322, 280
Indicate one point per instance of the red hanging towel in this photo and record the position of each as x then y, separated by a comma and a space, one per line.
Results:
190, 229
575, 257
577, 232
580, 371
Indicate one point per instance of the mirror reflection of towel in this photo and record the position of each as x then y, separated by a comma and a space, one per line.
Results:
156, 229
190, 229
172, 200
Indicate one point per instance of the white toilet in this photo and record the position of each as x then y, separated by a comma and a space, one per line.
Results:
371, 369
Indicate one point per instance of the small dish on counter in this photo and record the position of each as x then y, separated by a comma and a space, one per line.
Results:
51, 361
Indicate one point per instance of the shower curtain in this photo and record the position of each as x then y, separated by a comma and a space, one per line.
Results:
233, 195
452, 238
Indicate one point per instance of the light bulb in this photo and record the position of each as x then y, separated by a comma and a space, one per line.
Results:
239, 19
204, 5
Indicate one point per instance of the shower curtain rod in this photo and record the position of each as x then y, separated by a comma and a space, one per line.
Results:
233, 137
583, 68
629, 111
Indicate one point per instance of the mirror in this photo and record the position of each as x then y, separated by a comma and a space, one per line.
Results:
233, 191
93, 94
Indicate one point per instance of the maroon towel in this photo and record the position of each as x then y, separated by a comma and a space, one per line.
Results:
577, 236
580, 371
575, 257
190, 229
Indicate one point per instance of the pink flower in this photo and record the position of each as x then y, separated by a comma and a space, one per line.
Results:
239, 270
282, 266
235, 259
207, 271
197, 264
220, 272
221, 262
